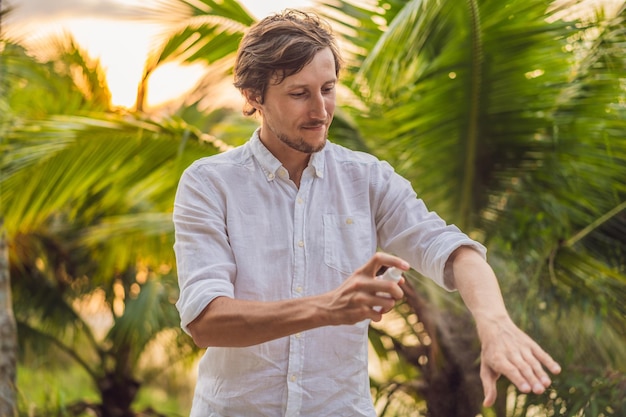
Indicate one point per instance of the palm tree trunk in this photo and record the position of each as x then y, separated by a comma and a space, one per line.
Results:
8, 330
451, 372
8, 335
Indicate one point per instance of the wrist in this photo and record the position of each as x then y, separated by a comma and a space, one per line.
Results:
489, 322
321, 313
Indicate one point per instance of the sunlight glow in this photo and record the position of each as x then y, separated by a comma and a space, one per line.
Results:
122, 48
170, 80
534, 74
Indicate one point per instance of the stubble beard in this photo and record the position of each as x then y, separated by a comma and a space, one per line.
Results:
299, 144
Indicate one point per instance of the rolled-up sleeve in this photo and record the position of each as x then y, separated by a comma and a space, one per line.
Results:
408, 229
204, 259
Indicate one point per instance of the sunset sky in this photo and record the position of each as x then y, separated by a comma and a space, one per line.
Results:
111, 31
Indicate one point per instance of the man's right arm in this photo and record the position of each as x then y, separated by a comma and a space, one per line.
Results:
228, 322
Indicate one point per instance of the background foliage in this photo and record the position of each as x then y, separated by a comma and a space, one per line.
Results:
508, 117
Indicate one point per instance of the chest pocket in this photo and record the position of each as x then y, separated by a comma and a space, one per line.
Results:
347, 241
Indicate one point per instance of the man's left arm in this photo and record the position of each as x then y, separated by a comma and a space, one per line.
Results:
505, 349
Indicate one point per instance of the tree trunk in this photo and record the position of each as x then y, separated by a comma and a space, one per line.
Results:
8, 335
118, 394
451, 367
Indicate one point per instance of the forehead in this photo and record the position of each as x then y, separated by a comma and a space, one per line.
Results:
320, 70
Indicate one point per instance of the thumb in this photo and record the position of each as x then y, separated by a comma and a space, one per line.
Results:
489, 378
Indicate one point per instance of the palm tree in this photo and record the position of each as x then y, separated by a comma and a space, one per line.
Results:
508, 72
509, 119
516, 104
8, 335
204, 31
8, 328
86, 199
498, 83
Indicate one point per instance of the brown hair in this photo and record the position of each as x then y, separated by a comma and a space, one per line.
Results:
279, 46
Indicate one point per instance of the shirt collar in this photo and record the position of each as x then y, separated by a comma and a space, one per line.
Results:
270, 164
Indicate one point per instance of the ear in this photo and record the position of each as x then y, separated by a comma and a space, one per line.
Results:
253, 99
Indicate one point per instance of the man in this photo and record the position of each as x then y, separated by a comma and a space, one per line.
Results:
276, 246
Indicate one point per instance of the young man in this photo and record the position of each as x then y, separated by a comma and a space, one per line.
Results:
276, 246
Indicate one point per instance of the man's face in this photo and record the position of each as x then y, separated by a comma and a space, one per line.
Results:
297, 112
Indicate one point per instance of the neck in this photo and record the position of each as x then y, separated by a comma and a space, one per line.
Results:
294, 161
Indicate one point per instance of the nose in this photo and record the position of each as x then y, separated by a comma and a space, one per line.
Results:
318, 107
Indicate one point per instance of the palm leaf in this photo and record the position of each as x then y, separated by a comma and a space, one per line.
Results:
205, 31
145, 316
509, 120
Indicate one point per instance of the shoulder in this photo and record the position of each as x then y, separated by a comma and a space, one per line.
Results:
236, 157
214, 173
342, 154
358, 167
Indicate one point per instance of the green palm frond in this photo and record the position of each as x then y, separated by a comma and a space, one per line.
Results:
40, 343
119, 241
72, 60
482, 98
38, 88
147, 313
509, 120
205, 31
454, 86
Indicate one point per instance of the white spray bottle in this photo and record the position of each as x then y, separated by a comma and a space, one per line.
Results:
391, 274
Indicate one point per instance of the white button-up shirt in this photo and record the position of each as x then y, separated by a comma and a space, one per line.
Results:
244, 230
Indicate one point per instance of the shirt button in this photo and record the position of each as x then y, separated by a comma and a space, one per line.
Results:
298, 335
299, 289
270, 176
349, 220
282, 173
301, 243
293, 378
300, 201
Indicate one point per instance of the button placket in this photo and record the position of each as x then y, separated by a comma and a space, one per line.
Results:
297, 341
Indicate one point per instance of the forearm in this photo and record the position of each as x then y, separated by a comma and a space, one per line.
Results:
238, 323
506, 350
477, 284
228, 322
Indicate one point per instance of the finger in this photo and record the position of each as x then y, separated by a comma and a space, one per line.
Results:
543, 357
540, 360
384, 304
542, 380
488, 378
383, 289
514, 371
380, 259
395, 292
532, 367
523, 369
376, 316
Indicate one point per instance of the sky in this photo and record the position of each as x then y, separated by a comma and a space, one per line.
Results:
109, 30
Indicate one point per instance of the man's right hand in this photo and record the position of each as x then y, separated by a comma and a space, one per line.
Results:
228, 322
355, 300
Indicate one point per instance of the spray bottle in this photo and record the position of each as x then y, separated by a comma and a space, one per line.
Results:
391, 274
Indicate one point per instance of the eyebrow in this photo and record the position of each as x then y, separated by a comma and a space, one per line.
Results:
291, 86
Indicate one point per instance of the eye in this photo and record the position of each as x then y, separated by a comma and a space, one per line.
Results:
328, 89
301, 94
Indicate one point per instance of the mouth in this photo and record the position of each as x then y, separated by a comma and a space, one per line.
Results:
316, 126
